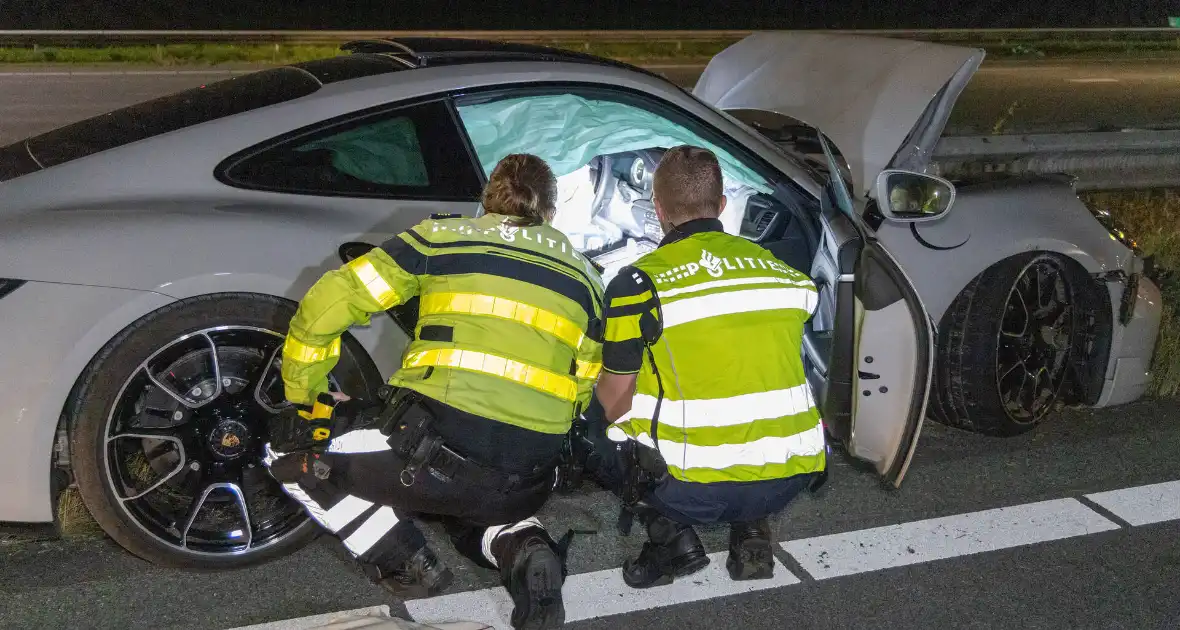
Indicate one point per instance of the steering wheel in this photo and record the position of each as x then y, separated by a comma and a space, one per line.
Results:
601, 184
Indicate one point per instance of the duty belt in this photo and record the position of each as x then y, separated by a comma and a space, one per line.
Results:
407, 423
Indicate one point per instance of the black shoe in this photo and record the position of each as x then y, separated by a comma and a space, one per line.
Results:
423, 575
533, 574
666, 557
750, 554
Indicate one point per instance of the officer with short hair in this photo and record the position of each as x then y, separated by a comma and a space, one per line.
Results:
506, 350
703, 385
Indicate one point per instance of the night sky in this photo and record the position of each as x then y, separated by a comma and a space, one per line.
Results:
566, 14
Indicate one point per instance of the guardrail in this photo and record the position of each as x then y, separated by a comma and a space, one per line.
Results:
980, 36
1099, 161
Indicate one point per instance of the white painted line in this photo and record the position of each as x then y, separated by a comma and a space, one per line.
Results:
948, 537
603, 593
598, 594
316, 621
1143, 505
1094, 80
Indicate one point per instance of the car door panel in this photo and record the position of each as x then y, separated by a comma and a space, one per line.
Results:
881, 342
894, 366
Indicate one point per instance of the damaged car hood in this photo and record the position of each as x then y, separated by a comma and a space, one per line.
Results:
883, 102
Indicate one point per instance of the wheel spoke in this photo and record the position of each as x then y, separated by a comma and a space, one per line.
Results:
217, 385
154, 435
266, 368
168, 390
1025, 321
239, 499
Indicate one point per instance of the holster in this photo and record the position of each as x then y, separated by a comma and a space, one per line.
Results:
644, 469
408, 423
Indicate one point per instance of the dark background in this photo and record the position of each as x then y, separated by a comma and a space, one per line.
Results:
566, 14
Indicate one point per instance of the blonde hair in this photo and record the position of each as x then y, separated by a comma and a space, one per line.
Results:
522, 186
687, 183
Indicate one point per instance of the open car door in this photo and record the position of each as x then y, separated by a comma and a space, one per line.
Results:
872, 367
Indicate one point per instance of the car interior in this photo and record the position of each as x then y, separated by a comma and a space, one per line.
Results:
605, 153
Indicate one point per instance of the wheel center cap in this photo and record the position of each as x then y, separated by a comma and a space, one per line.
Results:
229, 439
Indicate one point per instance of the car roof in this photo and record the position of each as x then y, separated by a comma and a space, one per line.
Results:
265, 88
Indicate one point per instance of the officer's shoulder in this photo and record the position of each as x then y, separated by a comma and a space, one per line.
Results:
628, 281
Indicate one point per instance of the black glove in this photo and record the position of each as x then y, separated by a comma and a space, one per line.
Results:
303, 427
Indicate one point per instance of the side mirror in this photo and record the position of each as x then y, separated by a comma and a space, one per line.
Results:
910, 197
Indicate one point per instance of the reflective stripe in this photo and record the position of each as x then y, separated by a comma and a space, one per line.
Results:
733, 302
495, 531
314, 509
490, 305
377, 286
628, 300
371, 531
557, 385
768, 450
344, 512
298, 351
723, 412
360, 441
717, 284
588, 369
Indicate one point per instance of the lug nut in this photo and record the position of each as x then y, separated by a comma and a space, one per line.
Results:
195, 465
225, 382
177, 415
196, 391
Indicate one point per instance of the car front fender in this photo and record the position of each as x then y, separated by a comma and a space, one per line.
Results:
992, 221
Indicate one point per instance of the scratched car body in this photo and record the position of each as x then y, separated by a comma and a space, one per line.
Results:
151, 257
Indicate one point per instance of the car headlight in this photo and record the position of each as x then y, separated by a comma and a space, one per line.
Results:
8, 285
1116, 230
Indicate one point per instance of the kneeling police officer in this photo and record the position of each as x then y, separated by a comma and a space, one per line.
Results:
505, 355
703, 385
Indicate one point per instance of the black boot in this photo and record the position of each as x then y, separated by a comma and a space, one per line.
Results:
533, 573
423, 575
673, 550
750, 555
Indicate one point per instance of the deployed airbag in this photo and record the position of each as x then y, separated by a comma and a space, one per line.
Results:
385, 153
568, 131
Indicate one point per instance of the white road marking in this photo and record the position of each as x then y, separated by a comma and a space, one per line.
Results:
597, 594
1143, 505
1094, 80
603, 593
948, 537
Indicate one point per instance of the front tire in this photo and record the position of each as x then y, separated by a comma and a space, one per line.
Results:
167, 426
1005, 344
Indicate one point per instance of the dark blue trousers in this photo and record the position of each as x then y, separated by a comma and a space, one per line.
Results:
698, 503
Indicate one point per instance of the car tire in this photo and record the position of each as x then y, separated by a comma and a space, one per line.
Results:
973, 383
91, 409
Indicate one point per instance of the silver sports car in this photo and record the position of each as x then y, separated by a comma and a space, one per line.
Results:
150, 258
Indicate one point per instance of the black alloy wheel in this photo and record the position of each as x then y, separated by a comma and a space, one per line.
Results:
167, 428
1035, 340
1006, 345
185, 440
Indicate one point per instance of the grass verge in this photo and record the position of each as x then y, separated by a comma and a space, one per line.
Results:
651, 51
1153, 218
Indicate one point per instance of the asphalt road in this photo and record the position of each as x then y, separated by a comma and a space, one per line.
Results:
1029, 97
1047, 561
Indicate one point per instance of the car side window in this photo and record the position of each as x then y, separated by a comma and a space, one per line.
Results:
412, 152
